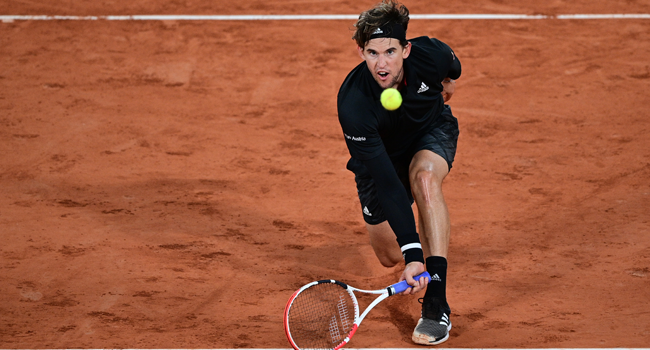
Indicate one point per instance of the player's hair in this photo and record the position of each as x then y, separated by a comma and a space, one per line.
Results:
383, 13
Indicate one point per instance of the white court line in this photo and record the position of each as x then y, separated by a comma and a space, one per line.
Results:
11, 18
611, 16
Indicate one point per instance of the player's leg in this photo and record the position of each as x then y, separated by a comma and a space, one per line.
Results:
430, 165
382, 240
427, 173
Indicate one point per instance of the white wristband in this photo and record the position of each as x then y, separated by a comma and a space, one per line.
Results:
411, 246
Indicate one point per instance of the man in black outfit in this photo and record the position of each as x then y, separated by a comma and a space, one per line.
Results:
403, 156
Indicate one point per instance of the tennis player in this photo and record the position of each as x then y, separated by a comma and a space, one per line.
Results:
403, 156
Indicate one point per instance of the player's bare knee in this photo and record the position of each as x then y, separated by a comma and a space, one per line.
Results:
426, 180
388, 254
389, 261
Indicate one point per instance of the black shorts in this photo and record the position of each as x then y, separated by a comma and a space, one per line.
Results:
442, 140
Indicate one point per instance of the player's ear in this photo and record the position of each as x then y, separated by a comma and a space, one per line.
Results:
360, 51
406, 50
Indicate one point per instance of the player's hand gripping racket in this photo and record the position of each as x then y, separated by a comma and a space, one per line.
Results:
325, 314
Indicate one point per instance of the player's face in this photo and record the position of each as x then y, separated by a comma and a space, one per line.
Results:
385, 60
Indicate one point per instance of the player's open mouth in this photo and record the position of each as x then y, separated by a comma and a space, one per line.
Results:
382, 75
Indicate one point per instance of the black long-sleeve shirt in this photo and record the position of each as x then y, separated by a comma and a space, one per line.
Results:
376, 136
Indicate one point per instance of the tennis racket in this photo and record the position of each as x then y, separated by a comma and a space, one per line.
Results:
325, 314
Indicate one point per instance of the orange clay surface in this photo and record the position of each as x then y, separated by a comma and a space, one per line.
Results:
170, 184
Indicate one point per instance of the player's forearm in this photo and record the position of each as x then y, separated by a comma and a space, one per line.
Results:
448, 88
396, 206
455, 69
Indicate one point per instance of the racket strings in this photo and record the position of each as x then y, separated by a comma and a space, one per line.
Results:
321, 316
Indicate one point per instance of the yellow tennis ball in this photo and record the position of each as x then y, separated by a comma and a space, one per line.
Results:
391, 99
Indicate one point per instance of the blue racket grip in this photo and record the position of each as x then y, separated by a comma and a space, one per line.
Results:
402, 286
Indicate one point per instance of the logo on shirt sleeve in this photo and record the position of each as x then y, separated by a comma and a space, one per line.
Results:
355, 138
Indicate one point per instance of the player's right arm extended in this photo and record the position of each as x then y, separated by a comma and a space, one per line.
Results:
396, 206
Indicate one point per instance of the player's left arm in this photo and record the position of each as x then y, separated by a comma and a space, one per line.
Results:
448, 88
449, 82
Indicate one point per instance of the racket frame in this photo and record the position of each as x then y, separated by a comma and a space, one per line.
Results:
383, 294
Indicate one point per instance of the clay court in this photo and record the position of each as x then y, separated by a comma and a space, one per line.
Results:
169, 184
